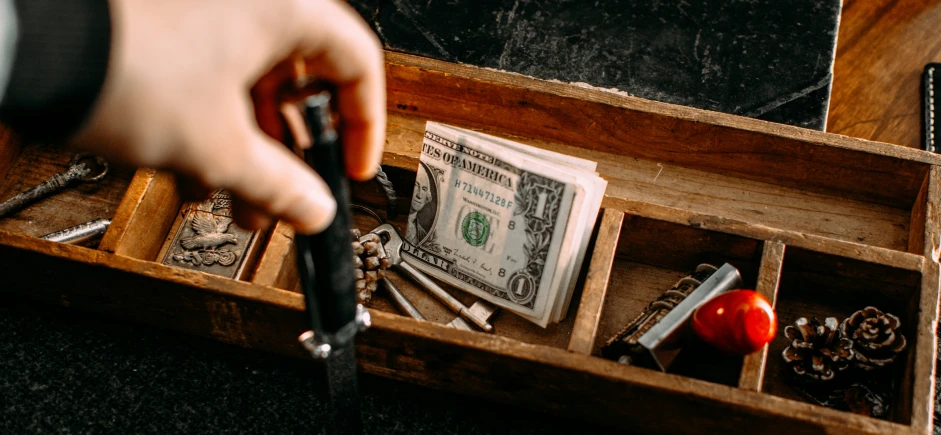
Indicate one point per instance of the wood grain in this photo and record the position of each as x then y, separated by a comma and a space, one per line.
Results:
703, 192
143, 220
78, 203
925, 226
882, 49
916, 232
932, 216
651, 257
596, 284
922, 371
10, 148
769, 276
139, 185
820, 285
631, 127
506, 371
903, 260
276, 267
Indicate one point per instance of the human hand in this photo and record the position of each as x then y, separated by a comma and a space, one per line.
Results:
178, 97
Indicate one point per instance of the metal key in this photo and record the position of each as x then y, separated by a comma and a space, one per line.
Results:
481, 308
401, 300
77, 171
393, 247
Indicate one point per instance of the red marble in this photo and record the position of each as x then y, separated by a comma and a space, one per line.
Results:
739, 322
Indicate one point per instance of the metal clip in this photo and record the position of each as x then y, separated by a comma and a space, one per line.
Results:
321, 345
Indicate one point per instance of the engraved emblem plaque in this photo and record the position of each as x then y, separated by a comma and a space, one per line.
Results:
208, 240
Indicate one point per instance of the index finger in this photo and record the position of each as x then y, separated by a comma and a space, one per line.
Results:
340, 48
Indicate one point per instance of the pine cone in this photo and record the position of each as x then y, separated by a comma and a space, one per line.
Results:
371, 262
817, 351
877, 340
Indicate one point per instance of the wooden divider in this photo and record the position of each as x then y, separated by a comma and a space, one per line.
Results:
140, 224
596, 283
769, 275
919, 385
932, 216
918, 390
888, 257
916, 227
273, 268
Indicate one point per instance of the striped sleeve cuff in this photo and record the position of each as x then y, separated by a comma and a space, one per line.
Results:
59, 64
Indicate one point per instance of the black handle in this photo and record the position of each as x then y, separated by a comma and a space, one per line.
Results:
325, 260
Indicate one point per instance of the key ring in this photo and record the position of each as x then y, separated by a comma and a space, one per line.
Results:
372, 213
101, 162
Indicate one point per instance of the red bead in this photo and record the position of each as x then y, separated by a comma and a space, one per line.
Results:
739, 321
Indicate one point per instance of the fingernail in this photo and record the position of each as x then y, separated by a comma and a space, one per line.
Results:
317, 213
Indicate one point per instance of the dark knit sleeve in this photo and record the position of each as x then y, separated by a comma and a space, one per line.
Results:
59, 66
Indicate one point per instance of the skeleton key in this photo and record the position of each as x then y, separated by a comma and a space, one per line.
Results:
401, 300
394, 249
77, 171
481, 308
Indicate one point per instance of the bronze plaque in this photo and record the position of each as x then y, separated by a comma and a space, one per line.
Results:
208, 241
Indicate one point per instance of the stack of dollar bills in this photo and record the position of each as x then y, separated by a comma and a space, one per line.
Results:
507, 222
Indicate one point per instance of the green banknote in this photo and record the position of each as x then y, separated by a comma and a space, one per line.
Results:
501, 220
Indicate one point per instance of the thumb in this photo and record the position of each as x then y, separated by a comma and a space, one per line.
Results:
277, 182
267, 179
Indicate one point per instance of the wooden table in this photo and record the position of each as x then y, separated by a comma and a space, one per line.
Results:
882, 49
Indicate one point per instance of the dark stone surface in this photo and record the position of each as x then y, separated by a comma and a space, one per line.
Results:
766, 59
61, 373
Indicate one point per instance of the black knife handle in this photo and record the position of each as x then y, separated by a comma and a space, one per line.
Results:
325, 259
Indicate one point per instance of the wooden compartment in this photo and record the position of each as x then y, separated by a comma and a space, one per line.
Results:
23, 167
651, 256
820, 285
278, 268
149, 217
791, 208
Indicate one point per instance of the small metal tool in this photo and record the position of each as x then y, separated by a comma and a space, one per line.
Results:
393, 245
78, 171
660, 341
79, 233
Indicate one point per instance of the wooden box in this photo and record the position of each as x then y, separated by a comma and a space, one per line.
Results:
821, 224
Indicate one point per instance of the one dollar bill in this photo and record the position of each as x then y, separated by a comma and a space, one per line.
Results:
501, 220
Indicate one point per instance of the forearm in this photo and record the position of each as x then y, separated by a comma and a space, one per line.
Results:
52, 64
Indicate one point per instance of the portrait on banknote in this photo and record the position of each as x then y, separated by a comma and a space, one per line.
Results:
424, 208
